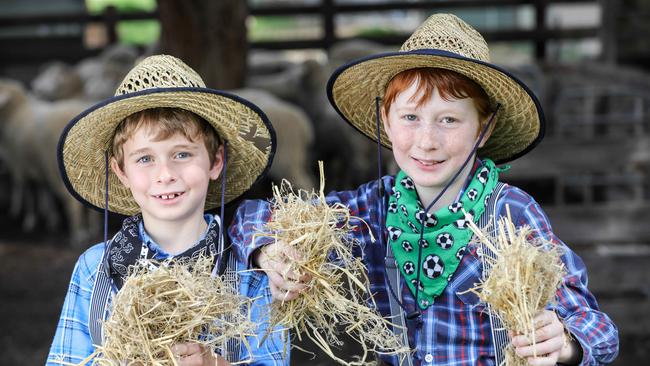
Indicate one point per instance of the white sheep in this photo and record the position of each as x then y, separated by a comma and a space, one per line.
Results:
350, 158
294, 135
57, 80
94, 78
29, 133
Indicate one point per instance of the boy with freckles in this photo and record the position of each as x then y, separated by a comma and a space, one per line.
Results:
161, 152
449, 116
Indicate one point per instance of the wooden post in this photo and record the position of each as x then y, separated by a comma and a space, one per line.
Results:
208, 35
110, 20
329, 36
540, 27
610, 13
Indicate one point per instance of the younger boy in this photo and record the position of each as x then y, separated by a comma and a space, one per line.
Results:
175, 148
448, 115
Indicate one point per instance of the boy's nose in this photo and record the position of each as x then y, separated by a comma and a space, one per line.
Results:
166, 174
427, 138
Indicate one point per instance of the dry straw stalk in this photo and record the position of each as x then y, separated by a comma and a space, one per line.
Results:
523, 278
161, 305
336, 296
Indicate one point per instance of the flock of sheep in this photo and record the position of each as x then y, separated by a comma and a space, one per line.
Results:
292, 94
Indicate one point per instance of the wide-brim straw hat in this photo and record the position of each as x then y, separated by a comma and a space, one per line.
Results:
442, 41
163, 81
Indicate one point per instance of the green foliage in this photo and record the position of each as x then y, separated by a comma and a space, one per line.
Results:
98, 6
266, 27
377, 32
138, 32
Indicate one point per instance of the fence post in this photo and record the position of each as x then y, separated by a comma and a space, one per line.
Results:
609, 15
328, 23
110, 22
540, 27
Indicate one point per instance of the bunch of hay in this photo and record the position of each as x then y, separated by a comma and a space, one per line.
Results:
337, 294
523, 278
161, 305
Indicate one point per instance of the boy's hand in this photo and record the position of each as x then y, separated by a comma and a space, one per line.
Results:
193, 354
551, 343
274, 259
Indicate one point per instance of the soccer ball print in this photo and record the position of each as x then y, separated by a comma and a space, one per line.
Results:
433, 266
406, 245
409, 268
407, 183
445, 240
430, 220
455, 207
394, 233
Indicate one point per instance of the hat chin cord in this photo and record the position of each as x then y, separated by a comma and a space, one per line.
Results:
416, 315
224, 171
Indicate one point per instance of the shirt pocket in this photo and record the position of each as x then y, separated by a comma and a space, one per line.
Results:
468, 276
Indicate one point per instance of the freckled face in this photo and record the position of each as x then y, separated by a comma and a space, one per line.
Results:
168, 178
431, 141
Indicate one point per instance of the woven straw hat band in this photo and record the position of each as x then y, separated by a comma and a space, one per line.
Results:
160, 71
449, 33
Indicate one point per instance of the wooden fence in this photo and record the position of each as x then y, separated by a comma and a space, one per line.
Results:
36, 49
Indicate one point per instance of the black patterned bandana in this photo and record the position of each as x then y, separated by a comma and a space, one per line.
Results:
127, 248
446, 232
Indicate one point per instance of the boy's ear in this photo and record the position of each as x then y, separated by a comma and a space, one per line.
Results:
489, 131
115, 167
384, 121
217, 166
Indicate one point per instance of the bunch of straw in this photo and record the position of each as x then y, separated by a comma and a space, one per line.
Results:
336, 295
161, 305
523, 278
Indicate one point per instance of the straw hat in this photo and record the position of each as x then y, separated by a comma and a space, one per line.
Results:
163, 81
442, 41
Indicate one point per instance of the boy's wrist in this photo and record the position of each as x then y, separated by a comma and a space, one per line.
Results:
255, 258
571, 351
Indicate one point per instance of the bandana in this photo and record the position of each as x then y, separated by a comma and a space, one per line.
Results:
446, 232
126, 248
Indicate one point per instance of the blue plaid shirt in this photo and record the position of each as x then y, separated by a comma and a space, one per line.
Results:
455, 330
72, 341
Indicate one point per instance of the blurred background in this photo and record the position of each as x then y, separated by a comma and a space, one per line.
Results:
587, 60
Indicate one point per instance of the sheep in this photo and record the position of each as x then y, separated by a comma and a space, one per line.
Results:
294, 134
29, 133
57, 80
92, 79
350, 157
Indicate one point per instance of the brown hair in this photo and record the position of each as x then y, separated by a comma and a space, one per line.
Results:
167, 122
449, 84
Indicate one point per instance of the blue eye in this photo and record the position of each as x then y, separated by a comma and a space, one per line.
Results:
183, 155
144, 159
410, 117
448, 120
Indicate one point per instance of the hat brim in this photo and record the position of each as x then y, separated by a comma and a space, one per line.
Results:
353, 88
87, 139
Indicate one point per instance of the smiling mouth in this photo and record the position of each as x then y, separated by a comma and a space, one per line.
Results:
169, 196
428, 162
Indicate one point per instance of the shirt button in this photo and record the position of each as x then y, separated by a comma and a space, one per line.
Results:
428, 357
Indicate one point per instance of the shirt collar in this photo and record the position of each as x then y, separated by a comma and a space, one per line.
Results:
159, 253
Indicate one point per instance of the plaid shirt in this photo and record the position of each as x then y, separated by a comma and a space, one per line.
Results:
72, 341
455, 330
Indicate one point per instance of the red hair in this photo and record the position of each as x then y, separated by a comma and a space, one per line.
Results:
450, 85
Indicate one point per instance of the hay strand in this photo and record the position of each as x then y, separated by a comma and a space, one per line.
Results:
164, 304
337, 294
523, 278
